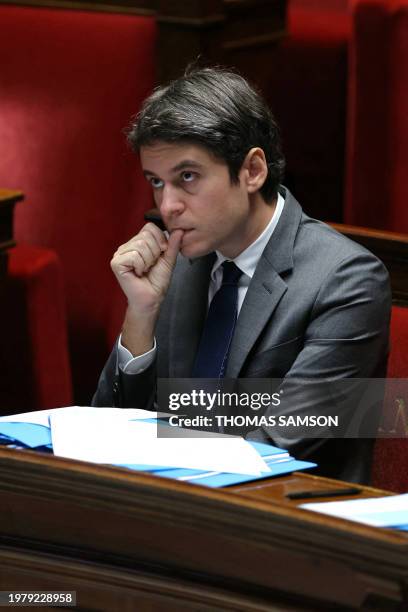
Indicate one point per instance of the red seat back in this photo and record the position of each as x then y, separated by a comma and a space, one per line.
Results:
390, 465
69, 82
35, 372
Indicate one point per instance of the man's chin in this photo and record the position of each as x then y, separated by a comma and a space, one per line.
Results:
192, 251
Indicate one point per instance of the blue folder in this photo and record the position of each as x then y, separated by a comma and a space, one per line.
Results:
29, 435
277, 459
38, 437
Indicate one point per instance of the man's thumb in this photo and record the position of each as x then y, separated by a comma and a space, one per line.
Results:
173, 246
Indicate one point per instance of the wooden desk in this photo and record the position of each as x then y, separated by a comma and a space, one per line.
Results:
129, 541
276, 489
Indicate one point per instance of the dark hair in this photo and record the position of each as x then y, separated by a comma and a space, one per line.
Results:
218, 110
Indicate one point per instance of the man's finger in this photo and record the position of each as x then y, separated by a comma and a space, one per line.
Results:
157, 234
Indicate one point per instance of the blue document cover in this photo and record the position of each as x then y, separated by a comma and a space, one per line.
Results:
221, 479
28, 435
277, 459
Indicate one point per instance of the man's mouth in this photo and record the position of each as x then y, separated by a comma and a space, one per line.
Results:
186, 236
185, 231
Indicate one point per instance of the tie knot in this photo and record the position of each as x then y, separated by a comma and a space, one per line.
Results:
231, 273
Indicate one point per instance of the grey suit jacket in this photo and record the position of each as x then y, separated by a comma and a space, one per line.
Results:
317, 308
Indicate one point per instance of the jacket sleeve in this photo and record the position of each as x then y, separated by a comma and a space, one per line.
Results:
345, 345
117, 389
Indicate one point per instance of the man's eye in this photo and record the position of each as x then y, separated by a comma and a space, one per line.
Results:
188, 177
156, 183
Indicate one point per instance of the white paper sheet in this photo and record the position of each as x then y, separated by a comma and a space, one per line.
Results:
388, 511
101, 437
41, 417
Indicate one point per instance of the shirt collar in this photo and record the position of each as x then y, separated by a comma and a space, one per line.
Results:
248, 259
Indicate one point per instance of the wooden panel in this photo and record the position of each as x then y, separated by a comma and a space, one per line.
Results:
194, 12
253, 23
239, 33
118, 537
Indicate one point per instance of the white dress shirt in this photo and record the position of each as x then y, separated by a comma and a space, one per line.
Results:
246, 261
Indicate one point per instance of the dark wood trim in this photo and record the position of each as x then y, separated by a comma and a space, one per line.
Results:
389, 240
193, 22
255, 41
133, 7
391, 248
236, 5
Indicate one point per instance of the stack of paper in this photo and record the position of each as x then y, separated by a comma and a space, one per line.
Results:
390, 511
128, 438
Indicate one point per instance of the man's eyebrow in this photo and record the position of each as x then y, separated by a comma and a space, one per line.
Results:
185, 163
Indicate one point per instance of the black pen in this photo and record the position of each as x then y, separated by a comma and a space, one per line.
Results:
323, 493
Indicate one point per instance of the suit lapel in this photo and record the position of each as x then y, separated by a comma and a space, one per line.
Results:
186, 325
260, 302
267, 286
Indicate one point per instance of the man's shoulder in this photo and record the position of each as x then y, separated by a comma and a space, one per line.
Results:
322, 236
327, 245
313, 248
315, 232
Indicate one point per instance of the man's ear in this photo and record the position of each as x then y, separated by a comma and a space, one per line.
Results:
254, 170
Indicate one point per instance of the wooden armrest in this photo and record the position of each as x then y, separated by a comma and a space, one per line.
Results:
391, 248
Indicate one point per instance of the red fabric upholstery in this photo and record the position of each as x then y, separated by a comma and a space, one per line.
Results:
390, 466
398, 360
377, 149
34, 357
308, 76
69, 82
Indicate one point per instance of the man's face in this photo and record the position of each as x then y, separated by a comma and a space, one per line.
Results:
193, 191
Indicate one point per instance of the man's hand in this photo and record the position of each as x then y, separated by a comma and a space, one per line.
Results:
143, 267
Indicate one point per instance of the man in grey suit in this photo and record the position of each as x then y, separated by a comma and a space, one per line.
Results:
309, 304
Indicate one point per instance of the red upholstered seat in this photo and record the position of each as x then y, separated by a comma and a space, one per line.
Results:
33, 349
398, 359
390, 466
377, 150
69, 82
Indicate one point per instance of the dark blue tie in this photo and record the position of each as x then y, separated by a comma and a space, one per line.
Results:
212, 355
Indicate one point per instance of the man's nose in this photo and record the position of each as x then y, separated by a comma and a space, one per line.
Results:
171, 201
